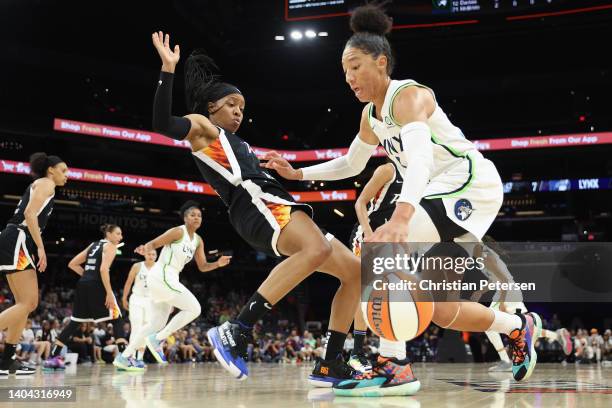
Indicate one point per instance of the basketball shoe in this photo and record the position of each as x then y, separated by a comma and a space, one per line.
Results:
522, 343
565, 340
156, 349
54, 363
360, 363
326, 373
229, 342
389, 377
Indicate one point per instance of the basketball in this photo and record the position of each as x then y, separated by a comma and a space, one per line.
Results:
395, 312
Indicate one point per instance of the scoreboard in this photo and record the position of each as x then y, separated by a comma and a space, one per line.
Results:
409, 11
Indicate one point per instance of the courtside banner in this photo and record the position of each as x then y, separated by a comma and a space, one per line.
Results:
132, 135
132, 180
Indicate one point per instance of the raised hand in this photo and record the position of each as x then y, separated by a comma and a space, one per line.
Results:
168, 56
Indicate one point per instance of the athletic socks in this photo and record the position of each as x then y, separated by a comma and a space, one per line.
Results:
505, 322
395, 349
334, 343
255, 308
497, 342
7, 356
359, 337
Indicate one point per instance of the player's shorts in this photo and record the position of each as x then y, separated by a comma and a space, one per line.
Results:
259, 216
17, 249
89, 303
472, 194
446, 228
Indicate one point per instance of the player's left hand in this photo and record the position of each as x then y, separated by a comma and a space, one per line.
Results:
140, 250
284, 169
110, 301
224, 261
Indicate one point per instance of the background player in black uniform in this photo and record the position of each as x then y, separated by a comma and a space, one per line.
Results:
22, 251
260, 209
94, 299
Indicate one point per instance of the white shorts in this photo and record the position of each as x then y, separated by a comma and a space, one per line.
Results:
470, 202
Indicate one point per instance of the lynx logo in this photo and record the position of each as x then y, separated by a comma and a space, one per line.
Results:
463, 209
388, 121
588, 184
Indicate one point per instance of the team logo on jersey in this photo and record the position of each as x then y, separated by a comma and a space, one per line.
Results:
463, 209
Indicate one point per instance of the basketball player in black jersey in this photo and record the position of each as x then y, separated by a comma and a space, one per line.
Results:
22, 252
260, 209
373, 207
94, 299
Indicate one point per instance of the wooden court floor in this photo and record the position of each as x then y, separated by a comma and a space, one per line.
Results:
270, 385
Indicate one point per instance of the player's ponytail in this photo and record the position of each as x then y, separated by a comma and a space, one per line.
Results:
40, 162
370, 24
202, 85
107, 229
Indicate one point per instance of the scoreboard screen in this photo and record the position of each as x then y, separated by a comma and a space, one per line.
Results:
410, 11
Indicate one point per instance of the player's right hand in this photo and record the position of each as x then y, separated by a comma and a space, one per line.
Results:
168, 56
110, 301
140, 250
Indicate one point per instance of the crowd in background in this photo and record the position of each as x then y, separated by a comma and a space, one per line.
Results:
275, 340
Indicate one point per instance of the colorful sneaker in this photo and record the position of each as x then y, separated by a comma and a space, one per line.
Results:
360, 363
327, 373
565, 340
122, 363
54, 363
18, 368
501, 367
155, 347
522, 344
138, 363
229, 342
390, 377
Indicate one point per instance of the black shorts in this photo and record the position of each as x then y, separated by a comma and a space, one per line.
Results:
447, 229
17, 250
89, 303
259, 218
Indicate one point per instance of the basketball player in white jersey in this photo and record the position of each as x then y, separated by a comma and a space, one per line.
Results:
139, 304
179, 246
450, 191
22, 252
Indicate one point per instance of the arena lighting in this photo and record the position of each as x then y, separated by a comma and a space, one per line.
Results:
279, 37
296, 35
323, 34
338, 212
310, 34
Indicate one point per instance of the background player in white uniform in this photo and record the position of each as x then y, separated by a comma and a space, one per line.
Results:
22, 252
450, 190
139, 304
180, 245
496, 270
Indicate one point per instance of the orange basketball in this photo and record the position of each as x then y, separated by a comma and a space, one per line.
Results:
394, 311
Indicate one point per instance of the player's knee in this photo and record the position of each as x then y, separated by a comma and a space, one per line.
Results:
196, 309
31, 304
319, 252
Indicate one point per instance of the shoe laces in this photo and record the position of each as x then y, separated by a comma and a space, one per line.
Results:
363, 360
517, 344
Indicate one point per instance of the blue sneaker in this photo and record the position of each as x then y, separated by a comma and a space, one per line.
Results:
138, 363
522, 343
156, 348
126, 364
327, 373
229, 342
